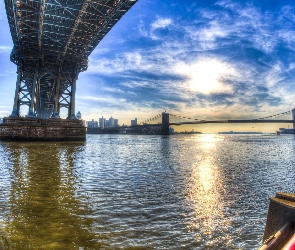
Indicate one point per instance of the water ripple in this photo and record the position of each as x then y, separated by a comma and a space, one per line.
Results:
143, 192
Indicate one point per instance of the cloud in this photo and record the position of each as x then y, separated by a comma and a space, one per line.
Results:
156, 29
5, 49
235, 23
138, 84
161, 23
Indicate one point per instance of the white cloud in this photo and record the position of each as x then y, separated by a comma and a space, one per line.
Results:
245, 23
142, 29
122, 62
146, 30
288, 36
206, 37
138, 84
117, 90
287, 12
161, 23
104, 99
5, 49
274, 75
112, 90
134, 58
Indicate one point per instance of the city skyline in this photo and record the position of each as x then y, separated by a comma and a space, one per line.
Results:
209, 60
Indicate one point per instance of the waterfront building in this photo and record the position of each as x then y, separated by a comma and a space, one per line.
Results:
92, 124
107, 124
134, 122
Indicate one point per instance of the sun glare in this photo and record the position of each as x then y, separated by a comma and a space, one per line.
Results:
206, 76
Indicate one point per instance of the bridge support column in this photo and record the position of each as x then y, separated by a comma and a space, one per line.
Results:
32, 103
15, 110
56, 99
73, 96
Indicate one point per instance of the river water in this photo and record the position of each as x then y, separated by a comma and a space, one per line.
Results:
204, 191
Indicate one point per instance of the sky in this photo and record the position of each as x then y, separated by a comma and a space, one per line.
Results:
201, 59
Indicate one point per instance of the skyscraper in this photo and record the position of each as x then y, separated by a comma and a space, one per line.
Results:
111, 122
102, 122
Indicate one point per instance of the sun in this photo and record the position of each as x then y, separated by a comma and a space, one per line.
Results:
207, 76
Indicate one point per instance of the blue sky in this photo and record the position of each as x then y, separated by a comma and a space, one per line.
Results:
200, 59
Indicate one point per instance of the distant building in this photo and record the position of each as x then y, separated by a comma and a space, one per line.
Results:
134, 122
107, 124
78, 115
92, 124
1, 120
102, 122
116, 123
111, 122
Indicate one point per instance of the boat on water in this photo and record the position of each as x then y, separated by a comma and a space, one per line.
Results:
239, 133
190, 132
286, 131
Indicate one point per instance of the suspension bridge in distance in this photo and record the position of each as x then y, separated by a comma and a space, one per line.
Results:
165, 120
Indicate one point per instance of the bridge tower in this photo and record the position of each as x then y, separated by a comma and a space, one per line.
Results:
293, 117
52, 41
165, 123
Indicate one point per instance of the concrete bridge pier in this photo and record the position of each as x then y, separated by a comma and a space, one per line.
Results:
35, 129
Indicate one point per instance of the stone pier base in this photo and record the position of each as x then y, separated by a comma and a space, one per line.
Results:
35, 129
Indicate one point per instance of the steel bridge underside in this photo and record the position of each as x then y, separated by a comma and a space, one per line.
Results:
52, 41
